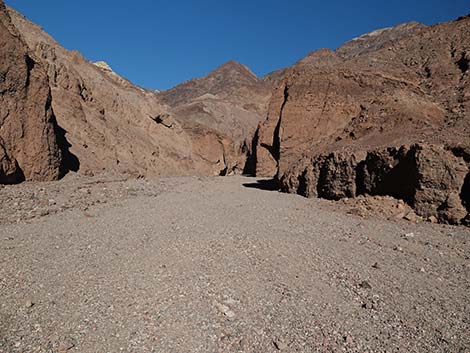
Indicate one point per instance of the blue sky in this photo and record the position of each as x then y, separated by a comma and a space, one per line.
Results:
160, 43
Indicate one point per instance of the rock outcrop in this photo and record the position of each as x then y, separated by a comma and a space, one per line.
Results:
30, 143
230, 100
387, 114
336, 112
114, 126
432, 179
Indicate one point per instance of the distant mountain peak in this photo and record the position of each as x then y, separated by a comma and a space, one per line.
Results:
234, 66
231, 63
223, 80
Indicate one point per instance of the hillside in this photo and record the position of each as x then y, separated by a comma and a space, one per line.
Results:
113, 126
386, 106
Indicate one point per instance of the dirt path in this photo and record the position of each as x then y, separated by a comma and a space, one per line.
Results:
209, 265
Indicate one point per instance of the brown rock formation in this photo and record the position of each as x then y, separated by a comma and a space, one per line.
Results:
29, 145
331, 101
230, 100
430, 178
376, 40
201, 127
394, 87
386, 115
107, 119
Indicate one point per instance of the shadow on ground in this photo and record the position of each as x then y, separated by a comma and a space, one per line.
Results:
264, 184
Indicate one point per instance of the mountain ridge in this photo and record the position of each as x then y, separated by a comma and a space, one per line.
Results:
336, 111
397, 96
114, 126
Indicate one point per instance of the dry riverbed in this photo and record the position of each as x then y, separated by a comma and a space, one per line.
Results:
217, 265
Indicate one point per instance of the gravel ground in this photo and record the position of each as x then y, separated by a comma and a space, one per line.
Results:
210, 265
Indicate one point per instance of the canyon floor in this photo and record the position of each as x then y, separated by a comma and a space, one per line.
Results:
101, 264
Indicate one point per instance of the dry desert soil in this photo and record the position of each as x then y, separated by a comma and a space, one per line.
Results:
99, 264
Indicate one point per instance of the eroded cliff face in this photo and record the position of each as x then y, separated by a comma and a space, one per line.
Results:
432, 179
114, 126
30, 143
334, 108
107, 120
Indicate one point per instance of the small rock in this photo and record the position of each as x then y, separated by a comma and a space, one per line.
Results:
243, 344
230, 301
365, 285
349, 340
28, 304
409, 235
410, 216
400, 215
376, 265
279, 345
66, 345
432, 219
225, 310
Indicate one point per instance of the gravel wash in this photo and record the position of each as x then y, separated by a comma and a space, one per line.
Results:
219, 265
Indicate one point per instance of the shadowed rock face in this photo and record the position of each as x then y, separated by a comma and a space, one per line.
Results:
395, 87
29, 146
430, 178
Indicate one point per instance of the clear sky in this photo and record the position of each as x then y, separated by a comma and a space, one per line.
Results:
160, 43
